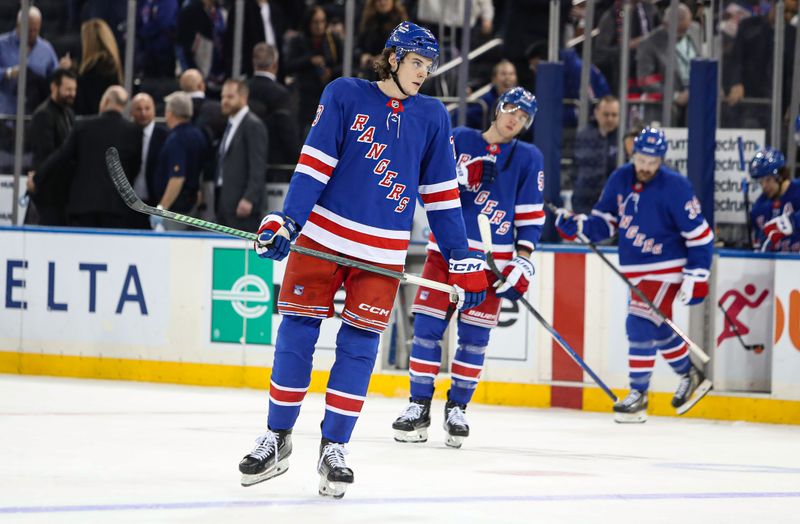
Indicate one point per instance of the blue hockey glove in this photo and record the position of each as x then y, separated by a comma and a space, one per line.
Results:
518, 275
477, 171
569, 226
275, 235
468, 276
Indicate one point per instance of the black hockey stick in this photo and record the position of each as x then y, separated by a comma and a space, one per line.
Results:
696, 349
486, 239
756, 348
117, 174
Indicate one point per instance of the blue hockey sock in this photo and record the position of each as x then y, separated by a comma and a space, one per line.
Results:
356, 351
291, 371
426, 354
467, 365
642, 345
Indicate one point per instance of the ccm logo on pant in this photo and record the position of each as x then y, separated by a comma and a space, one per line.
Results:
374, 309
465, 267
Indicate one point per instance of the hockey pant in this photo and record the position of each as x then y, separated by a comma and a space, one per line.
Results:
426, 358
648, 334
356, 351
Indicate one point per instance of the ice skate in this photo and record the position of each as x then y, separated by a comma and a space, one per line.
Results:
631, 409
455, 424
691, 389
334, 475
413, 422
268, 459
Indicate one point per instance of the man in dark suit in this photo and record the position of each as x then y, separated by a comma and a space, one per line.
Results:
272, 102
241, 161
143, 113
51, 124
93, 200
263, 22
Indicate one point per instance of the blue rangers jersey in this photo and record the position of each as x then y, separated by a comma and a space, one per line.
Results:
513, 201
765, 209
661, 228
364, 163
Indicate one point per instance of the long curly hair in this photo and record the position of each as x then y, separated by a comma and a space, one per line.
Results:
99, 47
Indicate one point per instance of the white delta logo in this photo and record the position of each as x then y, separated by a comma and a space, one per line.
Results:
247, 288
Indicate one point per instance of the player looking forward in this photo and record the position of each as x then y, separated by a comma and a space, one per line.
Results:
502, 178
665, 247
373, 149
776, 213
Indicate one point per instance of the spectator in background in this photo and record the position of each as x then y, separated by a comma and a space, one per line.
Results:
651, 64
272, 102
313, 58
378, 19
52, 121
598, 87
100, 65
201, 32
595, 154
432, 13
93, 200
42, 61
241, 161
156, 23
263, 22
750, 68
504, 77
177, 178
143, 114
644, 19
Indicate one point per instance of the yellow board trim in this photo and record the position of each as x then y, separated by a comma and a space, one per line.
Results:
719, 407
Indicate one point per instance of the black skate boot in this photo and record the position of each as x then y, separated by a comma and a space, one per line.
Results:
455, 423
412, 424
631, 409
268, 459
691, 389
334, 475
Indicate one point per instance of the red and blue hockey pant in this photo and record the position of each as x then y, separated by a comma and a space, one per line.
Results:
306, 298
648, 334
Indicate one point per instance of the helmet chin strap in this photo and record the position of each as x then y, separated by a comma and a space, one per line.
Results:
396, 81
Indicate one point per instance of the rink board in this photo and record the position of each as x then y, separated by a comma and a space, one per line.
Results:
199, 309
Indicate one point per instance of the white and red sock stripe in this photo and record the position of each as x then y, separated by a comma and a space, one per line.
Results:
641, 363
676, 353
465, 371
343, 403
286, 396
423, 368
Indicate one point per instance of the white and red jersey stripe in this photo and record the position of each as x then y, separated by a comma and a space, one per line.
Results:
664, 271
444, 195
343, 403
529, 215
286, 396
316, 164
385, 246
699, 236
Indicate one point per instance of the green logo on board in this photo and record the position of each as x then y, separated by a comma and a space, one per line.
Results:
241, 297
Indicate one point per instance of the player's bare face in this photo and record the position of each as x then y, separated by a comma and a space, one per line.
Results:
646, 167
510, 121
413, 71
770, 186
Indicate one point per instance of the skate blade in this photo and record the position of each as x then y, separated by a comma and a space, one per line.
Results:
279, 469
454, 441
639, 417
701, 391
419, 435
332, 489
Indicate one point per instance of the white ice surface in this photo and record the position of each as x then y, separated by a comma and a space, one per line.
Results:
120, 452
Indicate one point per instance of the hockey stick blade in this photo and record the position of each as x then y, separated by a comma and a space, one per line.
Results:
486, 239
120, 180
693, 346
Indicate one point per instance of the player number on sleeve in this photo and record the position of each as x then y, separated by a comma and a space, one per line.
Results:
320, 109
692, 207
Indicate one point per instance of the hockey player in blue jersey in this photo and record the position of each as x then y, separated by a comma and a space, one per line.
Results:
502, 178
372, 150
776, 213
665, 248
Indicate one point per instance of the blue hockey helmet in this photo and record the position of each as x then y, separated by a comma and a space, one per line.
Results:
518, 98
651, 141
408, 37
767, 162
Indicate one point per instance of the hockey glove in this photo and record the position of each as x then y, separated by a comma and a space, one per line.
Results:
694, 287
569, 226
275, 235
468, 276
778, 228
479, 170
517, 276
